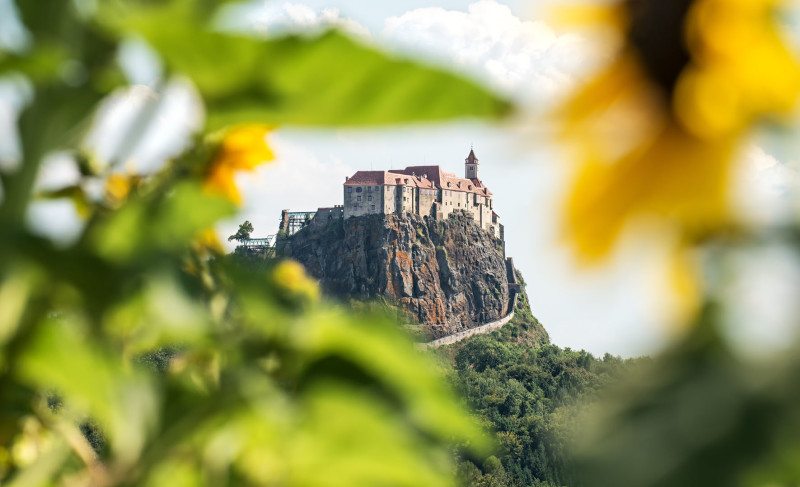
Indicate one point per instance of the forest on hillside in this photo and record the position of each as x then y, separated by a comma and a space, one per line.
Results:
530, 396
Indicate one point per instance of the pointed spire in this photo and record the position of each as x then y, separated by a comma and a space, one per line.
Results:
471, 158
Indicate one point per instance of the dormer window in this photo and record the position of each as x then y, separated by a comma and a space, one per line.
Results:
359, 189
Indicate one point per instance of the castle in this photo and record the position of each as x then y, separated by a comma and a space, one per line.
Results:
423, 190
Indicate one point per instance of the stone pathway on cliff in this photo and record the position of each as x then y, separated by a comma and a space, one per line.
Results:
463, 335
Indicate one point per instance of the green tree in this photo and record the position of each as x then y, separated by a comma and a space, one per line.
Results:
243, 233
529, 395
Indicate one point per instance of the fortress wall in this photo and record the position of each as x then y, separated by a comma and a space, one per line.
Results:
363, 200
389, 200
427, 197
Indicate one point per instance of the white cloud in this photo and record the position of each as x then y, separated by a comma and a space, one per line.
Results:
525, 58
269, 18
765, 189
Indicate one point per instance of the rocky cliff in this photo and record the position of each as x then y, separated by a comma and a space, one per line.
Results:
449, 275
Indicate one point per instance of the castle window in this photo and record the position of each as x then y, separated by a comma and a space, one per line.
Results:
358, 198
372, 207
369, 189
349, 189
358, 189
369, 197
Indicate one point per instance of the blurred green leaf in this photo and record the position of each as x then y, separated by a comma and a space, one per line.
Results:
62, 357
375, 345
328, 79
148, 225
185, 212
40, 66
325, 452
698, 416
160, 315
42, 471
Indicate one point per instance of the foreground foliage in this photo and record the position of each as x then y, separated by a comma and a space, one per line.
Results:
137, 354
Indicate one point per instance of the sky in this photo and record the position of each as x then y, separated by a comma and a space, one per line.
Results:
620, 308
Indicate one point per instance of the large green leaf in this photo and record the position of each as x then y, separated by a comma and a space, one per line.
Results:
328, 79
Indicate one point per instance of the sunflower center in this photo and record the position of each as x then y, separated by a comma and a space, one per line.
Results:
657, 34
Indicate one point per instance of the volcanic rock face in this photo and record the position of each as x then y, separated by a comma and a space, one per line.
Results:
450, 275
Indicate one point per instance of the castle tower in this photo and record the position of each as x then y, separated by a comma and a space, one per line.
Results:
471, 166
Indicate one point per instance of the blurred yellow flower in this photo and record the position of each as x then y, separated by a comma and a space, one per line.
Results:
33, 441
741, 68
243, 148
291, 276
657, 130
209, 240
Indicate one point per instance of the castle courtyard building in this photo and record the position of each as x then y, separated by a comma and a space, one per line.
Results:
423, 190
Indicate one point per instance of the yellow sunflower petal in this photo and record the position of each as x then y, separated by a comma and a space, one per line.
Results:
243, 148
675, 177
742, 69
220, 180
208, 239
686, 287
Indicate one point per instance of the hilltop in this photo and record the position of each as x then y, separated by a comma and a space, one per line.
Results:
449, 275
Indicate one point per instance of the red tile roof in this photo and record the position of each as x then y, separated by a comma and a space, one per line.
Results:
388, 178
418, 176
